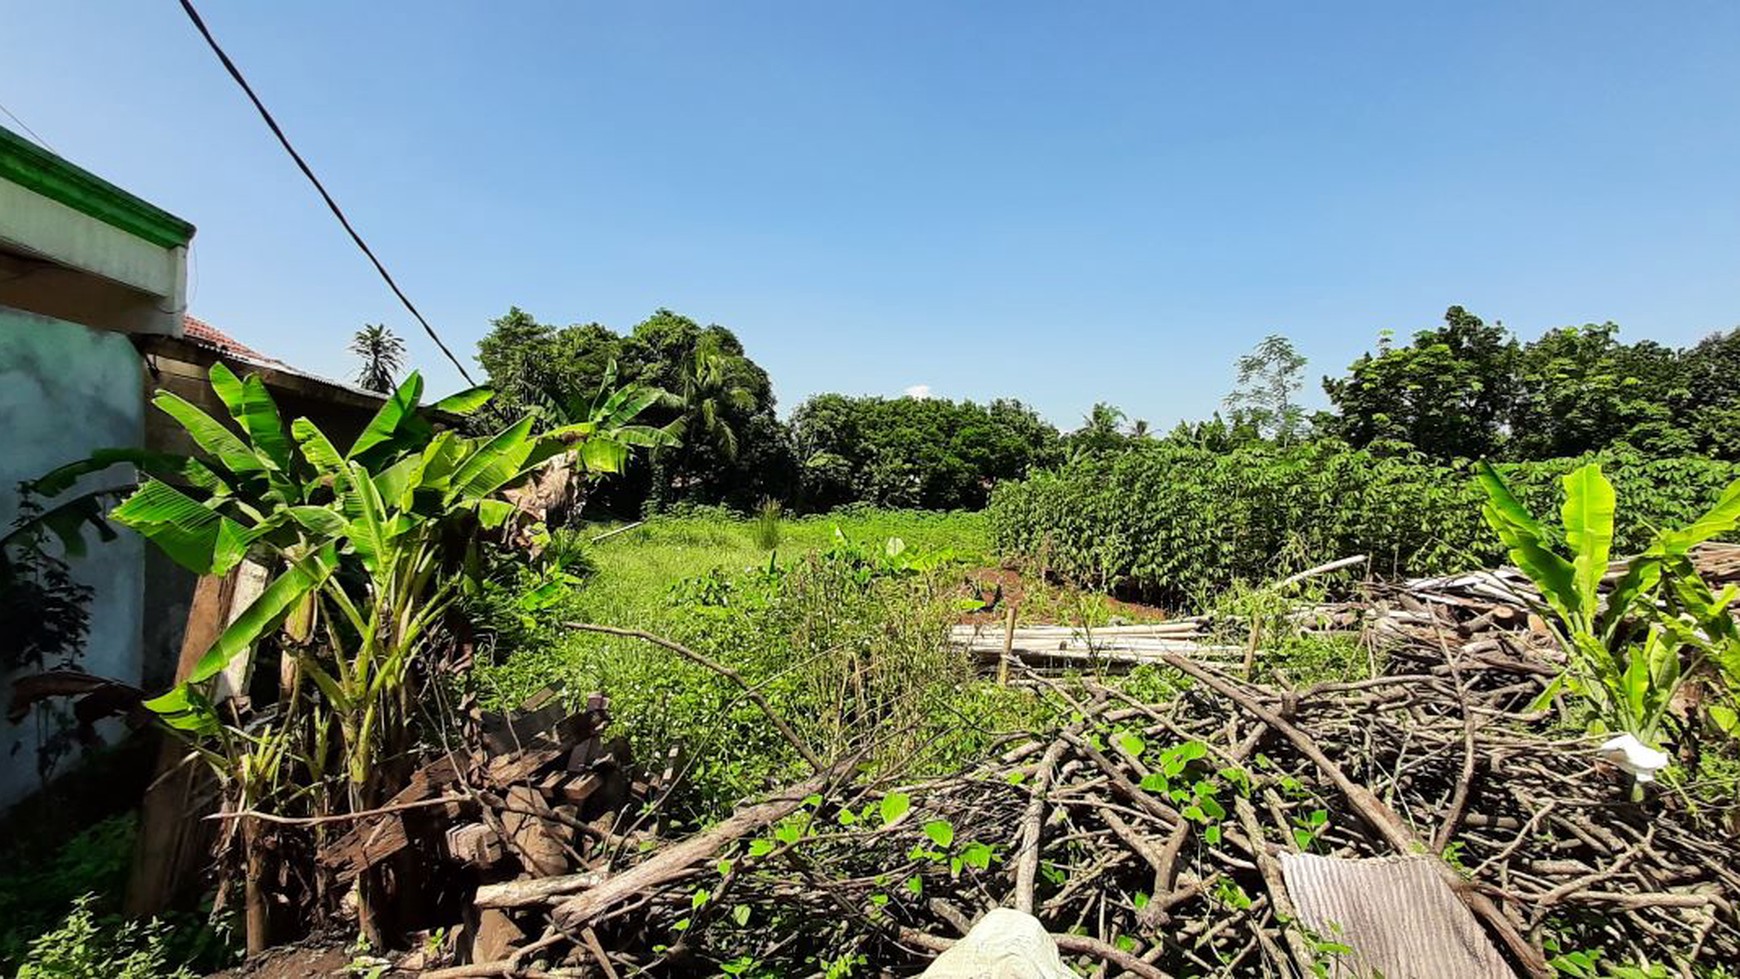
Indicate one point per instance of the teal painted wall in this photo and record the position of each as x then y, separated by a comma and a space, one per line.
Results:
65, 390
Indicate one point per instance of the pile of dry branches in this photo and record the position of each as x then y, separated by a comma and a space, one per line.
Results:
1148, 832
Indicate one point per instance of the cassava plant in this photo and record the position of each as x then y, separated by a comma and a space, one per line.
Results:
1630, 649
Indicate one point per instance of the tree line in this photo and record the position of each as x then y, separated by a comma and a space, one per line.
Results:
1461, 390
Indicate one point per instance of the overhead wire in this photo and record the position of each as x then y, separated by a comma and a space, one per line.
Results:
26, 127
332, 205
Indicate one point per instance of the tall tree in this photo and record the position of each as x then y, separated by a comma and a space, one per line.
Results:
1447, 394
1265, 393
1707, 400
382, 354
915, 452
531, 363
710, 390
721, 406
611, 418
1580, 390
734, 450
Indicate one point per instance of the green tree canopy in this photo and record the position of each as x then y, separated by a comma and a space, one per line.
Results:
1265, 396
1468, 390
1578, 389
1101, 431
716, 400
915, 452
1447, 394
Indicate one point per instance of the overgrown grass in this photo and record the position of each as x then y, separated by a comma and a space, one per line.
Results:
634, 571
842, 629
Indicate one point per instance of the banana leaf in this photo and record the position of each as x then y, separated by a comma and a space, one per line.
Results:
603, 455
195, 536
464, 402
259, 418
495, 463
1720, 519
367, 530
266, 612
1527, 544
1588, 518
226, 386
211, 435
161, 464
396, 418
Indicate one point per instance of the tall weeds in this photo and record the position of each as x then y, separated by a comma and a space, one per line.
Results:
768, 530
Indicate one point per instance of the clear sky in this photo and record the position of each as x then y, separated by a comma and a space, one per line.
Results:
1060, 202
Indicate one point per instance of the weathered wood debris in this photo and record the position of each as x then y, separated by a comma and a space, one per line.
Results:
1165, 834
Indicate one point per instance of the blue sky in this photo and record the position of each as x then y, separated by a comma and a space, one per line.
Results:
1058, 202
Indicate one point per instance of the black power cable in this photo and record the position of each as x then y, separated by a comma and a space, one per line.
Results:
331, 204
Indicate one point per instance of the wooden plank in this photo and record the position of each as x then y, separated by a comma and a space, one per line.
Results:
375, 839
246, 584
169, 850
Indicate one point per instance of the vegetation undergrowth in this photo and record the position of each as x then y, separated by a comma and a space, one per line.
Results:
1281, 644
842, 630
59, 913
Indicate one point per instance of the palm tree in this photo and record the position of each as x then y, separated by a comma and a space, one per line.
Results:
383, 355
1101, 431
709, 387
709, 384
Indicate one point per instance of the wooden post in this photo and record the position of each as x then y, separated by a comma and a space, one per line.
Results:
171, 839
246, 583
1008, 646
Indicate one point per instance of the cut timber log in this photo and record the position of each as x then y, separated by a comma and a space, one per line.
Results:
537, 890
531, 826
676, 860
375, 839
172, 839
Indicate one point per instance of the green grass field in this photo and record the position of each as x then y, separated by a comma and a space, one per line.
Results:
635, 571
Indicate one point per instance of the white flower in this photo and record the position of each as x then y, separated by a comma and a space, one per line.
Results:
1634, 756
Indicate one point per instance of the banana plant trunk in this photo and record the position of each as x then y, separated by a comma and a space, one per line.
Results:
257, 910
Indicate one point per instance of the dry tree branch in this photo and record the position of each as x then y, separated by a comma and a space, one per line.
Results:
1032, 827
1380, 817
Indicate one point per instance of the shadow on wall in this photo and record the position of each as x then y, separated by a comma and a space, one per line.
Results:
66, 390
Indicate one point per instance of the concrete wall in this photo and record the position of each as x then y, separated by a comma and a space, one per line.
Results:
65, 390
61, 262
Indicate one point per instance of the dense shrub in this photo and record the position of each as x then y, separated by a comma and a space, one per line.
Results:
1172, 522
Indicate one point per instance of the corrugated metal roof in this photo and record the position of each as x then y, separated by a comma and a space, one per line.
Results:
1400, 918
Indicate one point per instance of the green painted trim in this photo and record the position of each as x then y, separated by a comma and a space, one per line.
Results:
35, 169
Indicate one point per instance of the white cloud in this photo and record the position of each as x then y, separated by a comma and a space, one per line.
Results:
919, 391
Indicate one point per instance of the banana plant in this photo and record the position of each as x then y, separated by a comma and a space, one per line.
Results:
1630, 651
606, 421
370, 547
388, 512
604, 427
